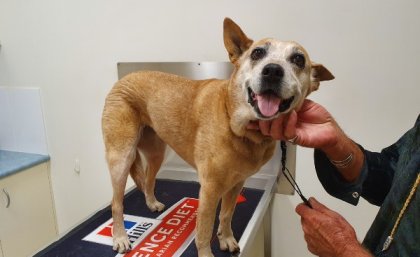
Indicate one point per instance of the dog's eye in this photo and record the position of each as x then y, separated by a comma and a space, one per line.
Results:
257, 54
298, 59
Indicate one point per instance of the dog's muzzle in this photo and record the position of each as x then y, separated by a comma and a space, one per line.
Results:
268, 102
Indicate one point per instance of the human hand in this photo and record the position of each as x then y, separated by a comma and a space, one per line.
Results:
312, 124
327, 233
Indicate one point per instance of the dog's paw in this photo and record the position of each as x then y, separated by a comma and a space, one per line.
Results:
121, 244
228, 243
155, 206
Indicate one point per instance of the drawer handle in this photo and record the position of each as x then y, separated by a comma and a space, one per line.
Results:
7, 198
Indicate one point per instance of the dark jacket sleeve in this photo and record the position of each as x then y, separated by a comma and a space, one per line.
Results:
373, 183
375, 179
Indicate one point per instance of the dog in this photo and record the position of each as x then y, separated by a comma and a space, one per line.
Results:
204, 122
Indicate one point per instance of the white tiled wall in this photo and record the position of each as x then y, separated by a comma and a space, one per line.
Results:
22, 126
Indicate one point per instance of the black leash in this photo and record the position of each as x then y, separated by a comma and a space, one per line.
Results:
289, 176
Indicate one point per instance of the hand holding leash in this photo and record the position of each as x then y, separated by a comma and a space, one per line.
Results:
327, 233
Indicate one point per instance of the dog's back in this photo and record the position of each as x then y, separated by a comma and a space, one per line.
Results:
169, 104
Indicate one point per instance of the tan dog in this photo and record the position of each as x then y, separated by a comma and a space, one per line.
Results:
205, 123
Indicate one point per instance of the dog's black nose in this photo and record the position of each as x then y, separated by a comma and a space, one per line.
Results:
272, 73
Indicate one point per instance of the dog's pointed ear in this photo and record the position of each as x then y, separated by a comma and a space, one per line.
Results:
236, 42
319, 73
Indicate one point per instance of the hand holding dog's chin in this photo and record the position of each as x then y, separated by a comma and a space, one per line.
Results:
314, 127
312, 124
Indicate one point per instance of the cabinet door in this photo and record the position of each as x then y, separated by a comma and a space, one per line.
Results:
29, 222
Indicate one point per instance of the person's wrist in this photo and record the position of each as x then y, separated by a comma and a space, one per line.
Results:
345, 155
354, 249
335, 149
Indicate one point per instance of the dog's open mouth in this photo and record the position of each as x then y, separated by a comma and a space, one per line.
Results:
268, 103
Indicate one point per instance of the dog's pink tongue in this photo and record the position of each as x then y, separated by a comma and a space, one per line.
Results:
268, 104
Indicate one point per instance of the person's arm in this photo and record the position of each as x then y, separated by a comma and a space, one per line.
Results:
313, 126
327, 233
367, 174
345, 155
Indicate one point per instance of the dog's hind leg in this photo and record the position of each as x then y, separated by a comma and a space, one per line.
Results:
137, 171
153, 149
121, 128
224, 232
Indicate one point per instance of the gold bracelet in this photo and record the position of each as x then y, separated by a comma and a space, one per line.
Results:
343, 163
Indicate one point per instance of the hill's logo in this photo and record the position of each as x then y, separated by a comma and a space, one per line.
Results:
136, 227
166, 236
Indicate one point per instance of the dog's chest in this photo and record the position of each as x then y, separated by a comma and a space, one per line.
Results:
253, 156
241, 159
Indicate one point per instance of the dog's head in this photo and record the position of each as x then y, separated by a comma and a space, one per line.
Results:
274, 76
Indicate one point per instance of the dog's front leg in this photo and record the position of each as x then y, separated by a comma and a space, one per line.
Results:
209, 198
224, 232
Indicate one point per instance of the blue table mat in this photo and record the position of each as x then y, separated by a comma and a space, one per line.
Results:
168, 192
